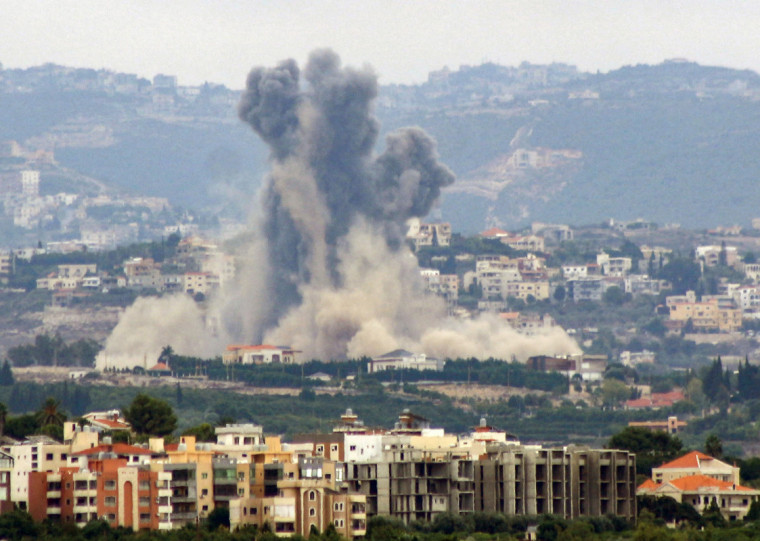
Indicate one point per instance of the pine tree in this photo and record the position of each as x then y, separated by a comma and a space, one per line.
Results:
6, 375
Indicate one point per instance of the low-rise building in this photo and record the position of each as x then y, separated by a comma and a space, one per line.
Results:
400, 359
701, 481
259, 354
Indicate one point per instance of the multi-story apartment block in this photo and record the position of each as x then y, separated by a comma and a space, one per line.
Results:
30, 183
6, 264
293, 497
591, 288
413, 484
570, 482
710, 314
6, 473
129, 496
199, 282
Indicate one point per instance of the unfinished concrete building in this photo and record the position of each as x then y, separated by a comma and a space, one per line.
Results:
570, 482
412, 484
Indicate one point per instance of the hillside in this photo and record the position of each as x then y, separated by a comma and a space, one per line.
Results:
676, 142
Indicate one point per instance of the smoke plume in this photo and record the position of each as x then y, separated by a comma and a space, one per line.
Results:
329, 272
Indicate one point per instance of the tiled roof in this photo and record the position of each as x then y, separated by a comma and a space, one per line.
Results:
648, 485
494, 232
117, 448
110, 423
161, 367
695, 482
689, 460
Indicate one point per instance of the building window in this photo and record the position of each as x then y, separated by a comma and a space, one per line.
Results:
254, 510
144, 517
144, 501
352, 447
334, 448
111, 517
110, 501
144, 485
110, 485
312, 512
338, 523
205, 507
204, 476
312, 495
338, 506
49, 456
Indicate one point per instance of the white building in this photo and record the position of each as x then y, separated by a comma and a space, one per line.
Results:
30, 183
259, 354
401, 359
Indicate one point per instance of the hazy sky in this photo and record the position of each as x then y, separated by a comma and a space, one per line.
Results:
220, 40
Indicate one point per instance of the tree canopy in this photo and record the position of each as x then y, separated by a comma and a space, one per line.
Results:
150, 416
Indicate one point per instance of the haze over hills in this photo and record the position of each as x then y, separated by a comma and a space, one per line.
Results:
676, 142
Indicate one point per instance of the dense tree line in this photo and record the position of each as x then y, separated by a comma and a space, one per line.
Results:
490, 371
52, 350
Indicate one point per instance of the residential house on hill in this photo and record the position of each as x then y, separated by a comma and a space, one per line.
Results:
701, 481
259, 354
400, 359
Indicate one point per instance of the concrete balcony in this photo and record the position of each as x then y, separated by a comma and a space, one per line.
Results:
53, 510
165, 508
53, 494
184, 516
85, 509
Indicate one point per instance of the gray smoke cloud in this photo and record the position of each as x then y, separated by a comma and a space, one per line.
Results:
327, 269
322, 134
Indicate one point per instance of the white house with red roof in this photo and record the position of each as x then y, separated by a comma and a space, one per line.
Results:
259, 354
701, 480
107, 420
701, 491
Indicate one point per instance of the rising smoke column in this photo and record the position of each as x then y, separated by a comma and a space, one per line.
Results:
326, 269
324, 175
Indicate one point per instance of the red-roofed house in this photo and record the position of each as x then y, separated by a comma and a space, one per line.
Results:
495, 233
696, 463
111, 420
260, 354
656, 400
701, 491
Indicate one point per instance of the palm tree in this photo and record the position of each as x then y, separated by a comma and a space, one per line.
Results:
50, 414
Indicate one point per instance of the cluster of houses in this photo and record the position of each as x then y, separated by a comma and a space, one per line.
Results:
198, 266
498, 279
